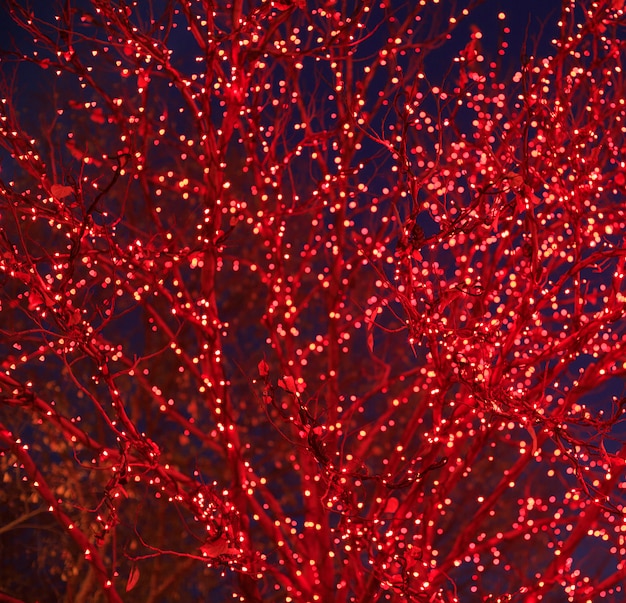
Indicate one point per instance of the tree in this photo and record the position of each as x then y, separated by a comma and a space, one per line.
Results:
312, 302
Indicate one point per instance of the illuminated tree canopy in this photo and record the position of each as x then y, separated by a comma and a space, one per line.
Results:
312, 301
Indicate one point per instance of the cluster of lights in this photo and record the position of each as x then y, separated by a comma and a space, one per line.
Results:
432, 270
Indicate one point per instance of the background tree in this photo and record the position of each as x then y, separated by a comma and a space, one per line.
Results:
312, 302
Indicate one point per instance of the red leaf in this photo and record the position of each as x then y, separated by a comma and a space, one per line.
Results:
282, 5
370, 335
218, 547
291, 385
60, 191
74, 150
143, 80
74, 317
133, 578
34, 300
97, 115
264, 368
392, 505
